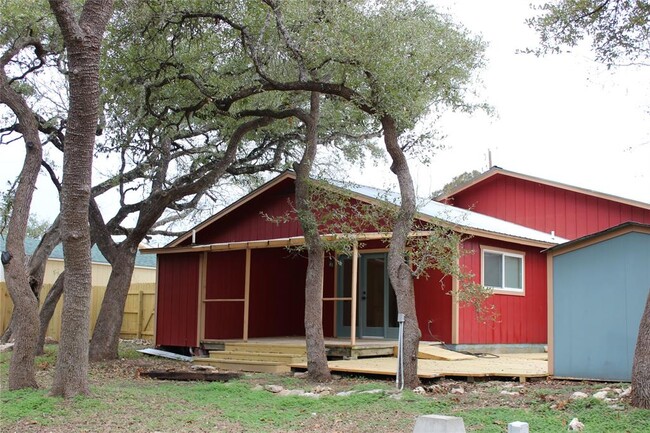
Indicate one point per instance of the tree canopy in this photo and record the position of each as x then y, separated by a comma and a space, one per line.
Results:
618, 30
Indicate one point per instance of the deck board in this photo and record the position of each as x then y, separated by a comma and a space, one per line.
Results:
503, 366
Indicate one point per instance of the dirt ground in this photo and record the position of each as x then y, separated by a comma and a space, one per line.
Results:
461, 394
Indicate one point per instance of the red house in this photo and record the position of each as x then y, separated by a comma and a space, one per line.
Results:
232, 276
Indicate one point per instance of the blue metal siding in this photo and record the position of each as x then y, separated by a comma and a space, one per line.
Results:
599, 293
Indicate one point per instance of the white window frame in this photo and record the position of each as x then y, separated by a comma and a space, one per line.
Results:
506, 253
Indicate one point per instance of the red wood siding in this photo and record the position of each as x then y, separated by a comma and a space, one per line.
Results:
432, 303
546, 208
521, 319
177, 307
225, 275
247, 223
277, 293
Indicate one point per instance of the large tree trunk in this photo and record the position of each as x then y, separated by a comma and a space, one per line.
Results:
36, 271
399, 271
83, 39
641, 367
317, 367
47, 311
106, 336
25, 319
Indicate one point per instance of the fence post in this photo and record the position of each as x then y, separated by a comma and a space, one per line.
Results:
140, 307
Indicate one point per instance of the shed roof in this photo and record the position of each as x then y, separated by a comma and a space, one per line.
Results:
466, 221
498, 171
141, 260
603, 235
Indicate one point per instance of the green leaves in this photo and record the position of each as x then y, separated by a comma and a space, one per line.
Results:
617, 30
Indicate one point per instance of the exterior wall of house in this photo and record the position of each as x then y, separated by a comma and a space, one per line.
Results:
177, 300
522, 319
247, 222
599, 293
546, 208
434, 306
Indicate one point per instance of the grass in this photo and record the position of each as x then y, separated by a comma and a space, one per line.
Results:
122, 402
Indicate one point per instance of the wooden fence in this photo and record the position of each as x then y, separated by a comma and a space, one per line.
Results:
138, 321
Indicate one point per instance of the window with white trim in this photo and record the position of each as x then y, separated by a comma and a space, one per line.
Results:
503, 271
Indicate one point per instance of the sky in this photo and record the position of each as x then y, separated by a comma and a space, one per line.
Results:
563, 118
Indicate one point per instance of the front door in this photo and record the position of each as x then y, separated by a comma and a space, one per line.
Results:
377, 306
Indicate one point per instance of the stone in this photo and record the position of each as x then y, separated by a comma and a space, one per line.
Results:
300, 374
202, 367
273, 388
600, 395
6, 347
419, 391
344, 393
458, 390
310, 395
578, 395
518, 427
504, 392
576, 425
373, 391
325, 390
439, 424
626, 392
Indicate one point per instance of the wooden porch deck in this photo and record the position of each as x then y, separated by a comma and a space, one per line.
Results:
369, 356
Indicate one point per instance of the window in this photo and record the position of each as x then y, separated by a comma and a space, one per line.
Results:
503, 271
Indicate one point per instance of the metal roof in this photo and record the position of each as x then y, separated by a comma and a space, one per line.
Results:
433, 210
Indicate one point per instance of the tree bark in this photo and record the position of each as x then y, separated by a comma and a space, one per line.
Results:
47, 311
36, 271
83, 39
25, 319
106, 336
317, 367
641, 367
399, 272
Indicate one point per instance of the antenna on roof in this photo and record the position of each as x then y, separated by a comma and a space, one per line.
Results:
489, 155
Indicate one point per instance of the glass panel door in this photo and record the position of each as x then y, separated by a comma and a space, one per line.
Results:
377, 306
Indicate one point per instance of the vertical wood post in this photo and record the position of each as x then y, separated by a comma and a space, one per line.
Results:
353, 308
203, 278
247, 290
140, 309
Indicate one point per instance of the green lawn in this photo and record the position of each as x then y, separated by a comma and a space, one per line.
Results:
121, 401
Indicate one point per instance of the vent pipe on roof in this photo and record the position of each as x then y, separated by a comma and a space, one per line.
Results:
193, 237
553, 233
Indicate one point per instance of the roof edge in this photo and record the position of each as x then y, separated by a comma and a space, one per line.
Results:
498, 170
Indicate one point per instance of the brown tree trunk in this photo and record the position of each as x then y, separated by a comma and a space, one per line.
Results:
399, 271
47, 311
106, 336
83, 39
36, 271
25, 319
641, 367
317, 367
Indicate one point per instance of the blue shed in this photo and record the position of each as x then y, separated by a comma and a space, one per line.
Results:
598, 287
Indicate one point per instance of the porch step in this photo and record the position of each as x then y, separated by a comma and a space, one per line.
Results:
296, 349
242, 365
286, 358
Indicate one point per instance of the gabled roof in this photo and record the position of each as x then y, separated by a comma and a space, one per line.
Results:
603, 235
245, 199
95, 255
463, 220
496, 171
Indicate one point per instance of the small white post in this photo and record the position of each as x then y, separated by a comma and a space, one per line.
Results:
518, 427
